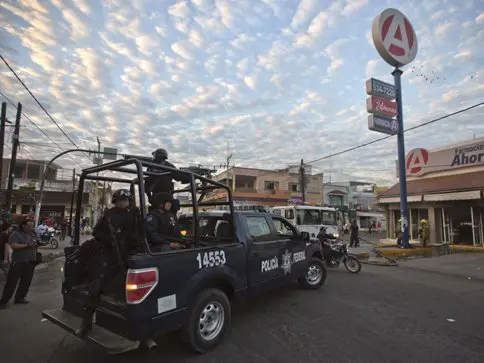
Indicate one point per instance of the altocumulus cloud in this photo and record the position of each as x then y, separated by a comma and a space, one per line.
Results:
279, 80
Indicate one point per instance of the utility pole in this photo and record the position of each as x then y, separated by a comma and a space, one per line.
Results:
13, 160
96, 191
303, 181
3, 122
229, 157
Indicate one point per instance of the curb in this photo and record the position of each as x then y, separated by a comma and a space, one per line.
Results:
460, 248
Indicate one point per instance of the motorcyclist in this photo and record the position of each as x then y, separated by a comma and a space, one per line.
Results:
162, 224
324, 239
42, 230
115, 237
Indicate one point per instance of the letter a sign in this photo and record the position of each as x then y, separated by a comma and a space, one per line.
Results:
394, 38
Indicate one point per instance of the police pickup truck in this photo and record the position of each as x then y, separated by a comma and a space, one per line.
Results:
237, 256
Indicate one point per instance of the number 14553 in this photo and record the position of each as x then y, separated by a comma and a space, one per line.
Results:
211, 259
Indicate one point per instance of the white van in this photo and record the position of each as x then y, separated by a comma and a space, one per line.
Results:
310, 219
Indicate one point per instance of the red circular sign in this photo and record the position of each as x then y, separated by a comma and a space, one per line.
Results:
394, 38
417, 160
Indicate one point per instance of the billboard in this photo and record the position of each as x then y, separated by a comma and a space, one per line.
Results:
421, 161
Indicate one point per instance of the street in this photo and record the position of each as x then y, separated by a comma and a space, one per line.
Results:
412, 312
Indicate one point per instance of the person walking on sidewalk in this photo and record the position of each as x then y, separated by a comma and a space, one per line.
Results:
354, 238
24, 259
5, 230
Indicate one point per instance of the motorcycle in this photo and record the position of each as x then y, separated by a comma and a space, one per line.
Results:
48, 239
339, 253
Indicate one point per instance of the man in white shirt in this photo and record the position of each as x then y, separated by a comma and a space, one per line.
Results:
41, 229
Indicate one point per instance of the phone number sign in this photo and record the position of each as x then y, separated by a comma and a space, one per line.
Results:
376, 87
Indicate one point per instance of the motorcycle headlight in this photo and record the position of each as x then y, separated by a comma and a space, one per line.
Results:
335, 235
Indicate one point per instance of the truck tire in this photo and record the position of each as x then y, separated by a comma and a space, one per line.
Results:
208, 320
315, 275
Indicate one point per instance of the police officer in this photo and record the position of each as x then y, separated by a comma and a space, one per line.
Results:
163, 183
162, 224
354, 234
115, 237
123, 218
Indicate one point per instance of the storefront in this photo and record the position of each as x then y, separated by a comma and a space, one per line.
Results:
445, 187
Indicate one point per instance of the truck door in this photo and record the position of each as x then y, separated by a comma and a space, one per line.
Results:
264, 253
293, 262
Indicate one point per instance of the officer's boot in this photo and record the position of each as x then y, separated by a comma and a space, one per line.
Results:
86, 324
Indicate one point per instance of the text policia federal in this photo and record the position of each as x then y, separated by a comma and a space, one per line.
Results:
273, 263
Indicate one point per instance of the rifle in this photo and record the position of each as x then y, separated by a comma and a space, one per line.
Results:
114, 241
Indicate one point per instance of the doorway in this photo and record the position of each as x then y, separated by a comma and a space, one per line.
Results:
447, 232
477, 230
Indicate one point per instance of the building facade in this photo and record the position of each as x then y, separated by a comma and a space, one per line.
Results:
445, 187
58, 187
363, 204
270, 187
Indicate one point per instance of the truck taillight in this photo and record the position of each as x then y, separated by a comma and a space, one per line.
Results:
140, 283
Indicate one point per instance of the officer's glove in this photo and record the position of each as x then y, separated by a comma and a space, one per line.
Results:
175, 246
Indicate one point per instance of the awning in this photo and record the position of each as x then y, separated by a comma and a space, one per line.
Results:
410, 199
476, 194
369, 214
463, 182
337, 192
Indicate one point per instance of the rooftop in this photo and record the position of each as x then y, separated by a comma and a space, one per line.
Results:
443, 184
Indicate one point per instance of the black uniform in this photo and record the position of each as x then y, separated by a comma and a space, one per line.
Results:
354, 240
160, 225
115, 237
163, 183
323, 238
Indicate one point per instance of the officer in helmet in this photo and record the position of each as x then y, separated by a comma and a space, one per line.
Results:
162, 224
115, 237
163, 183
123, 218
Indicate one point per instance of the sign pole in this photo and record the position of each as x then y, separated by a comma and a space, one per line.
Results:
397, 73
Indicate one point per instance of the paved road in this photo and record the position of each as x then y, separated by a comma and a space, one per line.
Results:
422, 311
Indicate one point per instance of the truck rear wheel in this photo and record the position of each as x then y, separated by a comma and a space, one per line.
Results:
315, 275
208, 320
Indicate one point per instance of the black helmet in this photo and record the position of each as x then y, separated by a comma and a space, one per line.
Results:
160, 154
121, 194
161, 198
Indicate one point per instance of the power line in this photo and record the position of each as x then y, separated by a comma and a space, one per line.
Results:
36, 100
37, 127
387, 137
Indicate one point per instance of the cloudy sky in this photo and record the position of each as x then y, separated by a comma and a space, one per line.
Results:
279, 80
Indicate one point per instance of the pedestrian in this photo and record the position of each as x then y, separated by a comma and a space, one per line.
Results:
24, 258
64, 224
5, 230
354, 239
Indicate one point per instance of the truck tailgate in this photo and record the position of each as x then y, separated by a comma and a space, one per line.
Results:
112, 342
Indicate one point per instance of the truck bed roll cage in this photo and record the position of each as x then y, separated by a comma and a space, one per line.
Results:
123, 166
